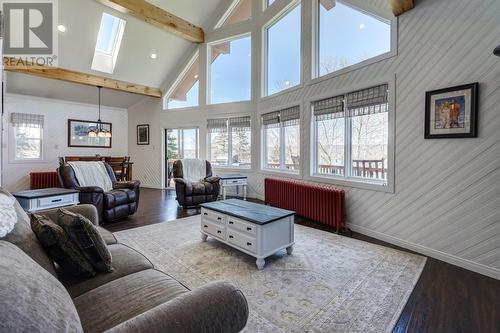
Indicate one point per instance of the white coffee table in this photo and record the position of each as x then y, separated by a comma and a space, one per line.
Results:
254, 229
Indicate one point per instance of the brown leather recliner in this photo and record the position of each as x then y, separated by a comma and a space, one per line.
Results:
192, 194
114, 205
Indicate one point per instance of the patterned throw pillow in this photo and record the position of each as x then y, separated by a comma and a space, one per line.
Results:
85, 235
60, 248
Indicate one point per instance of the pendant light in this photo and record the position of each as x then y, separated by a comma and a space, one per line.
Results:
99, 131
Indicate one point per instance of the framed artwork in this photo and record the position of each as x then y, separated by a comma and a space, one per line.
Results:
77, 134
143, 135
452, 112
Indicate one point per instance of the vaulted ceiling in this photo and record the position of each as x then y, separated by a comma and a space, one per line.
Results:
134, 64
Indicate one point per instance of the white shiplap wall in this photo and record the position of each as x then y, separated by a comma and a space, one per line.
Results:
447, 192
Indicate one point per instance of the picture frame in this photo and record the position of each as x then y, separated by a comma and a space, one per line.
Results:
143, 135
452, 112
78, 138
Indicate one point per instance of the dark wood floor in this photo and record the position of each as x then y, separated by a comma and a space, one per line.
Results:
447, 298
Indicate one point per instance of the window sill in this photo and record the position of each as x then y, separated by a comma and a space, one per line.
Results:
364, 184
187, 108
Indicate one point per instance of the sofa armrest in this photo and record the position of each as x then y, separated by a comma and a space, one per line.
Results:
212, 179
216, 307
132, 185
89, 189
88, 211
180, 181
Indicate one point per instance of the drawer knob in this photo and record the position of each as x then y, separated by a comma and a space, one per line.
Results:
205, 226
205, 213
231, 222
57, 200
219, 218
231, 236
249, 244
219, 232
249, 229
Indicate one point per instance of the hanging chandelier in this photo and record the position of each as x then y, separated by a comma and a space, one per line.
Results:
99, 131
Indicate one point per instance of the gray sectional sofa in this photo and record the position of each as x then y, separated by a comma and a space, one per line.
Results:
37, 296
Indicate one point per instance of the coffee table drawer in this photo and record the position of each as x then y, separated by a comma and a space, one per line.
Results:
214, 229
213, 216
241, 225
242, 241
60, 200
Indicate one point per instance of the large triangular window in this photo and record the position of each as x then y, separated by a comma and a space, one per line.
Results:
185, 92
239, 11
348, 36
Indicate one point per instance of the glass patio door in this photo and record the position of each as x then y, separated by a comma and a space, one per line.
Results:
180, 143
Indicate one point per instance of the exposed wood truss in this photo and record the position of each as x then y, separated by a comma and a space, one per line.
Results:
158, 17
26, 67
398, 7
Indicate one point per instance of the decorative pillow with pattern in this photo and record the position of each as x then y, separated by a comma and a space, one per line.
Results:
85, 235
60, 248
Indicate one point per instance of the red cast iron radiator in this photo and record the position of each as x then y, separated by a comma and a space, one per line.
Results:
40, 180
316, 202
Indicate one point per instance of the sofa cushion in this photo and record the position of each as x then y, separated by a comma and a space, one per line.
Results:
31, 299
108, 237
86, 236
23, 237
59, 246
107, 306
125, 261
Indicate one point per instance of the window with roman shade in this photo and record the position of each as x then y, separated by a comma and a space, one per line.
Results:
27, 136
230, 142
351, 135
281, 139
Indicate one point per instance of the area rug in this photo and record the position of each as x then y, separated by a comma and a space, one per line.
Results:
330, 283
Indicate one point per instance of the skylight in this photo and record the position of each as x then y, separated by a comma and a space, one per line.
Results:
108, 43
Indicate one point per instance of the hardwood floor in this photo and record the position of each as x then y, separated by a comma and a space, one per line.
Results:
447, 298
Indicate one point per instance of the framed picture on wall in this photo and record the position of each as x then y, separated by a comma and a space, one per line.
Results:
78, 137
452, 112
143, 135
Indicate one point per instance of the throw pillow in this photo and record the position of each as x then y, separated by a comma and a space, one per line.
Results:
59, 247
85, 235
8, 215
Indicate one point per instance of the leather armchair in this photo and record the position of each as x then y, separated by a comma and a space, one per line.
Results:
111, 206
191, 194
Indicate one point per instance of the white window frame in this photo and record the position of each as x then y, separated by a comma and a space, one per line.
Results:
180, 131
230, 146
265, 46
230, 11
209, 68
263, 140
369, 10
347, 180
180, 77
106, 62
12, 148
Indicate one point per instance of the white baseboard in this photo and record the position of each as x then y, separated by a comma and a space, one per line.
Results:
155, 186
451, 259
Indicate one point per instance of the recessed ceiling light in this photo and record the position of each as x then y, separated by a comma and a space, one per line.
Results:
362, 26
61, 28
196, 76
154, 56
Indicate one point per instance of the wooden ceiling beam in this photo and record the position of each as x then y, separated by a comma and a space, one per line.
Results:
21, 66
398, 7
158, 17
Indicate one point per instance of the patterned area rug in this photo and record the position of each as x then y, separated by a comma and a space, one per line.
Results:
331, 283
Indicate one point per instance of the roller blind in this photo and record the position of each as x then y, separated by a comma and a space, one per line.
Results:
271, 119
217, 125
368, 101
329, 108
26, 120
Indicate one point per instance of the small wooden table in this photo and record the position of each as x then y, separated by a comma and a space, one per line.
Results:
254, 229
36, 200
233, 181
